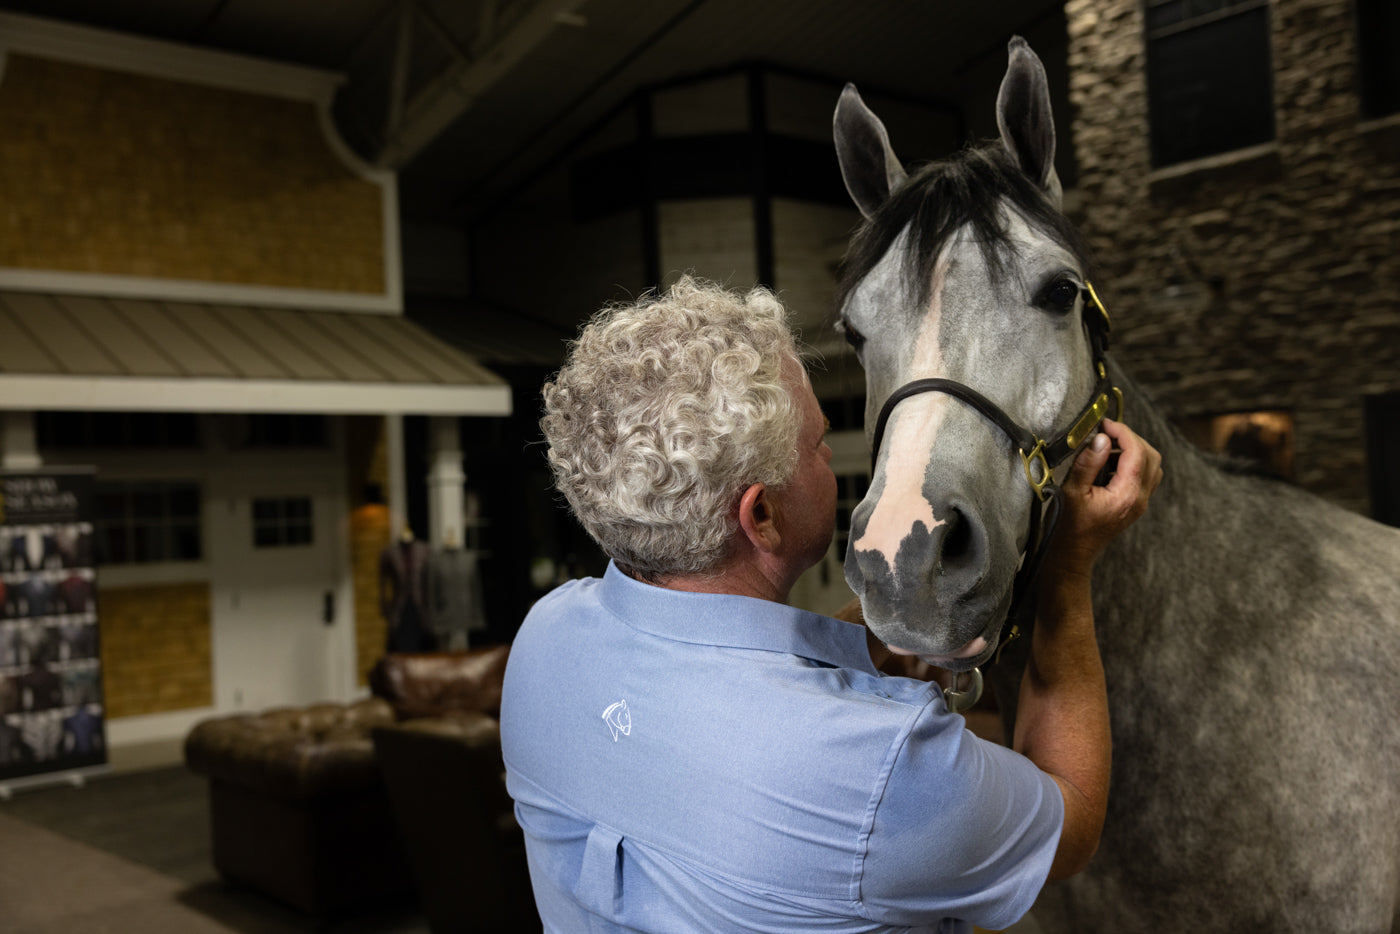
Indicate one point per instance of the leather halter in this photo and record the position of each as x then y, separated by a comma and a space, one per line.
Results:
1038, 456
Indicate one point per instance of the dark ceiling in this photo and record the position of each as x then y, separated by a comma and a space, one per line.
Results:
466, 98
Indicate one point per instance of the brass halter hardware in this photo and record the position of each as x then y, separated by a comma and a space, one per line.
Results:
1041, 487
1098, 306
1093, 416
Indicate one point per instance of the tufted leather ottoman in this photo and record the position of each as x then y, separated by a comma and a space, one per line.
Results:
298, 810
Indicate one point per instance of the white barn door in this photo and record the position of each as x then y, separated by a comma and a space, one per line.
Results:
282, 620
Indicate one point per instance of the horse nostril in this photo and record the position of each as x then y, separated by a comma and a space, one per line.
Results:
959, 541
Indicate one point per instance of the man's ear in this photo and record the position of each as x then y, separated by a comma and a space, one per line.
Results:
757, 520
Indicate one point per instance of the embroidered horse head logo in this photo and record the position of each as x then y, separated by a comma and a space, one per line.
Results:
619, 719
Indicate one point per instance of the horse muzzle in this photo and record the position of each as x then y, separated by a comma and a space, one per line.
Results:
940, 593
970, 657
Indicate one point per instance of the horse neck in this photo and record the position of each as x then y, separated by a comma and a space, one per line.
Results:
1185, 511
1142, 414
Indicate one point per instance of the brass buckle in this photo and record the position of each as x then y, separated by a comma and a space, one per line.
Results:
1090, 420
1046, 474
1009, 638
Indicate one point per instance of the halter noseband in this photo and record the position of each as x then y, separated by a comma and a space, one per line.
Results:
1038, 456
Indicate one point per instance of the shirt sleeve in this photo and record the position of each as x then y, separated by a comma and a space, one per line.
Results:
962, 828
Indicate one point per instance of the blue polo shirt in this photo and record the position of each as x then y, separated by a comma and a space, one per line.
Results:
697, 763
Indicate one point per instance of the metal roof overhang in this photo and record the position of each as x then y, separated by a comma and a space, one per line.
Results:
94, 353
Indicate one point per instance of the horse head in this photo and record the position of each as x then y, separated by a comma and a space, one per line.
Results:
966, 275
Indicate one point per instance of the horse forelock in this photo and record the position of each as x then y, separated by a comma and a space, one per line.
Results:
971, 188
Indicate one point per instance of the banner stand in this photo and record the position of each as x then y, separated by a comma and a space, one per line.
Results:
52, 709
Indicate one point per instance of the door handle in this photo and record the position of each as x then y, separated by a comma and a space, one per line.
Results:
328, 608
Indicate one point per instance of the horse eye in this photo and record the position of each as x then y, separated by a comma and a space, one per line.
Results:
1060, 296
852, 336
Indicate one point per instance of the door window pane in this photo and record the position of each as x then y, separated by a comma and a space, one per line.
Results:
282, 521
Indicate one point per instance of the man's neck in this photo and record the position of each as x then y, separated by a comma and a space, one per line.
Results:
739, 578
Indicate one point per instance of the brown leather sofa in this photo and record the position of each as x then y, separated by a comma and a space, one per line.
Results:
298, 805
428, 684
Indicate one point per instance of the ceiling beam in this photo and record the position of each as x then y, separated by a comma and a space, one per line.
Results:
403, 58
450, 94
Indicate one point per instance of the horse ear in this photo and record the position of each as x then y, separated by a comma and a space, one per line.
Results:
1024, 119
869, 166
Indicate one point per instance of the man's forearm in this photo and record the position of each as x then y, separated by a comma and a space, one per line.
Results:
1062, 715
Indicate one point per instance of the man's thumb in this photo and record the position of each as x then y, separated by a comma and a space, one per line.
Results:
1089, 462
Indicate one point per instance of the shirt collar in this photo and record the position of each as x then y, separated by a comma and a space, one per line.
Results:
734, 621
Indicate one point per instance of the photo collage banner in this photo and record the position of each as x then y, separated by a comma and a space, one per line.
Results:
51, 711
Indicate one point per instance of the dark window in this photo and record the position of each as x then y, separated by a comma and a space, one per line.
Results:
1383, 456
1378, 45
285, 431
86, 430
280, 522
147, 522
1209, 77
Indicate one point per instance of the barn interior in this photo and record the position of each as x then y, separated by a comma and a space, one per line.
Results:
280, 283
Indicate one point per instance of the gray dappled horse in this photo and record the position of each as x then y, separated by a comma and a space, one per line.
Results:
1250, 632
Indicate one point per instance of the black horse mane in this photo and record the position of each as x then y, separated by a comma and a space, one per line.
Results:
940, 197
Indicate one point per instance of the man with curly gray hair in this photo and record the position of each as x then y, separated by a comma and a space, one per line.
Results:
686, 752
665, 413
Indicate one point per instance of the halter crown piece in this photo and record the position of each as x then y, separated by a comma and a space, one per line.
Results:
1038, 456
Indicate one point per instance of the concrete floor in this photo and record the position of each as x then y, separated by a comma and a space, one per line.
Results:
140, 839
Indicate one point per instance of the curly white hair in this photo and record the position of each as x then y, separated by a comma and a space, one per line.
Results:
664, 413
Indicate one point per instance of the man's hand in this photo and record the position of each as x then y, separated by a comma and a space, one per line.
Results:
1094, 515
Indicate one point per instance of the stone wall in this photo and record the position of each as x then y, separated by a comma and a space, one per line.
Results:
1267, 279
